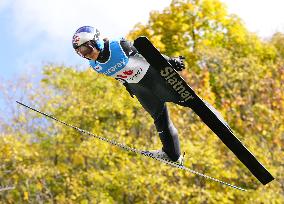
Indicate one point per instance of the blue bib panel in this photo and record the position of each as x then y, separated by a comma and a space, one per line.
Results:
116, 62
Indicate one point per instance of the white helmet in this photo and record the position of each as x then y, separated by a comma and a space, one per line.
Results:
85, 34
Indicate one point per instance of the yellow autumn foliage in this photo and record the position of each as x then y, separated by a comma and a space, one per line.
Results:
237, 72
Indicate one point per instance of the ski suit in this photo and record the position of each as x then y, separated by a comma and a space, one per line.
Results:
119, 59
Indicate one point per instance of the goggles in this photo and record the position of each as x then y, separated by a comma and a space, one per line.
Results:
85, 49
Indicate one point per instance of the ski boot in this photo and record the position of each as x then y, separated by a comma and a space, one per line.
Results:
163, 155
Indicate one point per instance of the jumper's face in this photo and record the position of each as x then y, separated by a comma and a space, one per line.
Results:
86, 50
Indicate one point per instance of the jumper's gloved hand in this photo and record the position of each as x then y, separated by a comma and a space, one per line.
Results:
177, 63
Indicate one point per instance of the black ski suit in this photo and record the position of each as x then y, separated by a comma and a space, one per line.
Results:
151, 91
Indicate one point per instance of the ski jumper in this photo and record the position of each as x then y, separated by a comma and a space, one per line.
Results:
119, 59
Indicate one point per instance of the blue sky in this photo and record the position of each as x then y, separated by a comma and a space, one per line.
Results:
34, 33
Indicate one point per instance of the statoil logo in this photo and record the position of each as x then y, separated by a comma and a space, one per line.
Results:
115, 68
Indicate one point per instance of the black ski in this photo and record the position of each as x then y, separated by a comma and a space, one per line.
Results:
204, 110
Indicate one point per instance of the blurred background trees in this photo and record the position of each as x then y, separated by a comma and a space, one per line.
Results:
236, 71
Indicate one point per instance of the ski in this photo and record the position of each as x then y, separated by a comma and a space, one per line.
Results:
130, 149
204, 110
7, 188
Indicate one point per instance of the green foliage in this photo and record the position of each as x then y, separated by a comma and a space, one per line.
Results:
241, 75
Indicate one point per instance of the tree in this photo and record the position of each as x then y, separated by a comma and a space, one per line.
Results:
241, 75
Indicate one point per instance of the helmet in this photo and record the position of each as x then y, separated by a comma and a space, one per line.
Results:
87, 34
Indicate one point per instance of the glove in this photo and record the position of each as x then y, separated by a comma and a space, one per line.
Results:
177, 63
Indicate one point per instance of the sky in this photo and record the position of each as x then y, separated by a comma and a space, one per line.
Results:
35, 33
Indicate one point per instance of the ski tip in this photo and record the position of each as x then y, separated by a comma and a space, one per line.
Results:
140, 39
